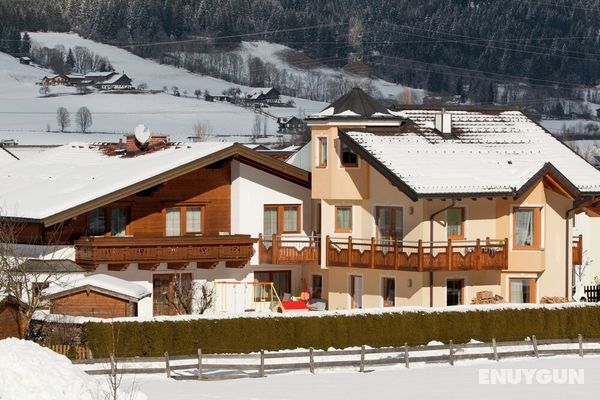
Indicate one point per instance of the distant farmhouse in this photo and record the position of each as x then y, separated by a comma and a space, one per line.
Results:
291, 125
110, 80
264, 95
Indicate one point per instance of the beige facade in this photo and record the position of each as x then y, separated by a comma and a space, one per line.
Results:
363, 188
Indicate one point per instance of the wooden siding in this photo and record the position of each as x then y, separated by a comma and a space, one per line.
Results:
10, 322
91, 304
209, 187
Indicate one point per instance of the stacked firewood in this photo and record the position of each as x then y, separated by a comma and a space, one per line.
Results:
553, 300
487, 297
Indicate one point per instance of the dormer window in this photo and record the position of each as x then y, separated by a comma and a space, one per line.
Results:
347, 156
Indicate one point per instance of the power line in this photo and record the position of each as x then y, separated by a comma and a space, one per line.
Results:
470, 43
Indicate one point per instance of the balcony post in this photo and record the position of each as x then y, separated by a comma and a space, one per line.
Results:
372, 257
449, 255
505, 253
327, 248
478, 254
420, 256
396, 254
274, 249
349, 251
261, 253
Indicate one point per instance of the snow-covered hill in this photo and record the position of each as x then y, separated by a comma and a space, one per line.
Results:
25, 114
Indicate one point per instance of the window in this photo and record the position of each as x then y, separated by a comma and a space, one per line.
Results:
343, 219
522, 290
96, 225
388, 289
455, 219
348, 157
173, 222
281, 280
322, 152
290, 219
389, 223
317, 286
118, 221
172, 294
356, 291
279, 219
454, 292
527, 228
193, 220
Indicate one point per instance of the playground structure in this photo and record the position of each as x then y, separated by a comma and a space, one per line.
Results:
240, 297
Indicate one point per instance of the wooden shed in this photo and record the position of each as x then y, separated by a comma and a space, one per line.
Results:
100, 296
12, 323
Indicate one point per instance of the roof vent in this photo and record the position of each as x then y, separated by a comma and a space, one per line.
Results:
443, 124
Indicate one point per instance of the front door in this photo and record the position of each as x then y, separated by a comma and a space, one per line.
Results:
356, 291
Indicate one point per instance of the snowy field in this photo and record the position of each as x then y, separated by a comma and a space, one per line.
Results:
25, 115
28, 371
460, 381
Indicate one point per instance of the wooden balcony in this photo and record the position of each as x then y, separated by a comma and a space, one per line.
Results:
578, 250
477, 255
177, 252
289, 250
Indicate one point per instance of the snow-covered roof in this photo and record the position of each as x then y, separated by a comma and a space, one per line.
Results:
113, 79
70, 175
489, 152
99, 281
354, 104
99, 74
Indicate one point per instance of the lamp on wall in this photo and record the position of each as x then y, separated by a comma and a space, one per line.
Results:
411, 210
410, 283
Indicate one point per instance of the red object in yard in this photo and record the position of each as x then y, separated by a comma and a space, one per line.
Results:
294, 305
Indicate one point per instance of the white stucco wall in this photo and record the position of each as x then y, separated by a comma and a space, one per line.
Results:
252, 189
590, 229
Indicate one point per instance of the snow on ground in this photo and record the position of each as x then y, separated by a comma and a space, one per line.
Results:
24, 114
274, 53
29, 371
460, 381
556, 125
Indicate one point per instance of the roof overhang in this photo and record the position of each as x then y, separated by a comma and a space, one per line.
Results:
93, 288
236, 151
552, 178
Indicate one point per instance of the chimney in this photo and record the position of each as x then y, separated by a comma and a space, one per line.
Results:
131, 145
443, 124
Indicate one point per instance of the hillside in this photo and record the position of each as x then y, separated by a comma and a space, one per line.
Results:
461, 47
25, 113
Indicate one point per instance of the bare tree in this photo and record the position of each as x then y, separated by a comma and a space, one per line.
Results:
44, 90
197, 93
16, 279
190, 297
142, 86
63, 119
84, 119
202, 131
256, 128
116, 389
175, 91
587, 150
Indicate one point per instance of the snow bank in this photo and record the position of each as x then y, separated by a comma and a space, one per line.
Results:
29, 371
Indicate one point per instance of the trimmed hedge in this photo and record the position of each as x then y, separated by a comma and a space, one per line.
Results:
245, 334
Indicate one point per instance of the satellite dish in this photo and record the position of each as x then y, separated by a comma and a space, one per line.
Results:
142, 134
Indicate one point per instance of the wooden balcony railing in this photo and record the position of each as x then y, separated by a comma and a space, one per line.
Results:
289, 250
578, 250
418, 256
177, 251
